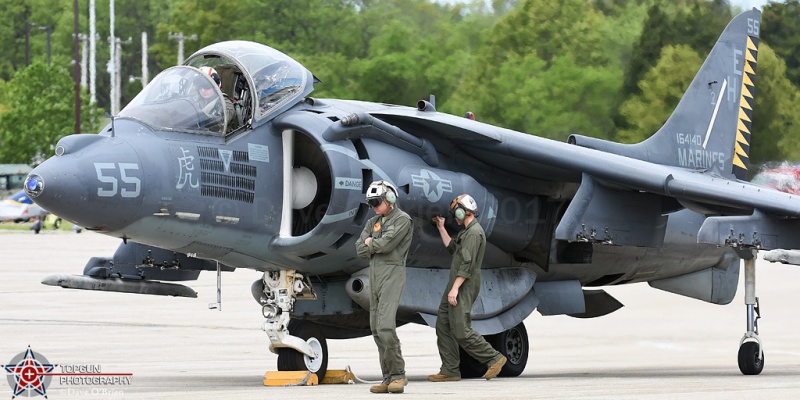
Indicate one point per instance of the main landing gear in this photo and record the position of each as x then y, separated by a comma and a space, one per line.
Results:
751, 352
512, 343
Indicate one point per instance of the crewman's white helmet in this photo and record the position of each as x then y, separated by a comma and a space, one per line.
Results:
379, 191
462, 206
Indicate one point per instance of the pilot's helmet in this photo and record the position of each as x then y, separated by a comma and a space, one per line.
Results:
462, 206
212, 73
379, 191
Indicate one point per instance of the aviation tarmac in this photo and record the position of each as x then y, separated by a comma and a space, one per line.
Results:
659, 346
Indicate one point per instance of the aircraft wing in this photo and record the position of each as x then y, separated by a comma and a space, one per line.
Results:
499, 148
740, 212
481, 141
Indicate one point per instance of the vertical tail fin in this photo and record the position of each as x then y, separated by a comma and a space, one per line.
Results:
710, 128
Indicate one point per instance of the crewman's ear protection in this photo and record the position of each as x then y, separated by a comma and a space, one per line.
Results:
462, 206
459, 213
391, 197
379, 191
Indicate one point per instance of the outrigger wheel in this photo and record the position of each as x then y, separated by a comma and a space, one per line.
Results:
751, 359
751, 352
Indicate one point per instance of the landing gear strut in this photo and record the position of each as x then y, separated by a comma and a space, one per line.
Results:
751, 352
298, 344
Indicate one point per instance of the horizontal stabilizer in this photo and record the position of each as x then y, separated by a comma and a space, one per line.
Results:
119, 285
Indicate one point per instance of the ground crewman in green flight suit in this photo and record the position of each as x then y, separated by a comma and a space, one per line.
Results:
385, 241
453, 326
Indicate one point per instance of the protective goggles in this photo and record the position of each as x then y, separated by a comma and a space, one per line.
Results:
374, 201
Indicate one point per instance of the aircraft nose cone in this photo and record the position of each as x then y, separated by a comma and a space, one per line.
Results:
93, 181
52, 185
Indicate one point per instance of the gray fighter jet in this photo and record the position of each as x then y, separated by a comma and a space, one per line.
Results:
278, 186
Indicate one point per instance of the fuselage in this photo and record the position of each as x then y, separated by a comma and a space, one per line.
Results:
223, 199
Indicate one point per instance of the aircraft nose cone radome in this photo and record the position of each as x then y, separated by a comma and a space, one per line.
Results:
83, 183
52, 186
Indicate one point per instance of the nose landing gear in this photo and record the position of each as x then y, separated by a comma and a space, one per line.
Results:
298, 344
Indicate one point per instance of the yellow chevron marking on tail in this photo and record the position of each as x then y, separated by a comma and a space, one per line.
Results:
738, 162
739, 137
746, 93
751, 46
743, 128
746, 80
748, 69
739, 150
743, 116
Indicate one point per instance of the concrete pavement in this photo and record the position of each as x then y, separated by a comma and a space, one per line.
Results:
659, 346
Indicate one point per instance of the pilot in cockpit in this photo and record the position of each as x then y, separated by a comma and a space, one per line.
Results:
208, 99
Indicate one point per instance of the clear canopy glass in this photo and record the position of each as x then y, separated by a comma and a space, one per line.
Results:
277, 80
180, 99
261, 81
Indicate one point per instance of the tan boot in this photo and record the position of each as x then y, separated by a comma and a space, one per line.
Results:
381, 388
443, 378
398, 385
495, 368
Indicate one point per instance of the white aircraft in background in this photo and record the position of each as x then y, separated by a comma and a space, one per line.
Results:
19, 208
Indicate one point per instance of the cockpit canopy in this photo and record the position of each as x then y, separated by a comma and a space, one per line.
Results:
260, 81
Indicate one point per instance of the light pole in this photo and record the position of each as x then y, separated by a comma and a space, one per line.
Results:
77, 68
180, 38
45, 28
117, 69
93, 36
84, 58
144, 77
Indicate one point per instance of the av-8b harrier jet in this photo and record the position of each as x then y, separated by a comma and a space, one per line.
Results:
277, 184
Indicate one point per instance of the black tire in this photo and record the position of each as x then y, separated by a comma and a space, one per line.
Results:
57, 223
292, 360
470, 367
749, 363
513, 344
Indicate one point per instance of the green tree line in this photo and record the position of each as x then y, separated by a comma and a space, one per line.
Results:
613, 69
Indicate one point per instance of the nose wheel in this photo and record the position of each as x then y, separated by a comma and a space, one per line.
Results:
292, 360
